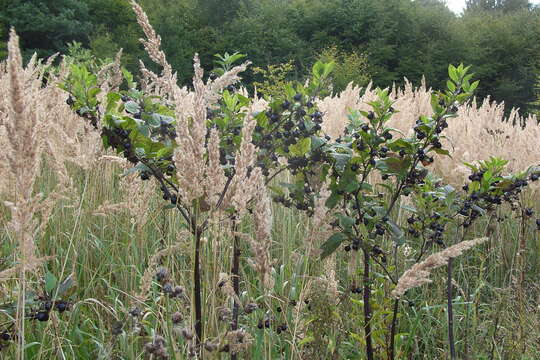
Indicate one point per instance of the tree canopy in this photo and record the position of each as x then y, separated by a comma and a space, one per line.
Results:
399, 38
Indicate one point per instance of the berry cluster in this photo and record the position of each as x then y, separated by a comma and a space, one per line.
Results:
500, 190
6, 336
46, 305
168, 288
119, 139
156, 348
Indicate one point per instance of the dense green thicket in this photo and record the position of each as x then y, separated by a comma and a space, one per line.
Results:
401, 38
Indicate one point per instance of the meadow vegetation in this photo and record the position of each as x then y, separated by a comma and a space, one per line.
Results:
315, 219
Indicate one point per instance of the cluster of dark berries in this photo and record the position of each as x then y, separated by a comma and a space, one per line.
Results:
42, 314
119, 139
157, 348
412, 228
424, 159
166, 130
299, 201
415, 177
477, 176
263, 324
436, 234
6, 336
289, 126
356, 289
355, 245
469, 211
169, 195
266, 324
476, 201
281, 328
379, 229
432, 226
173, 291
377, 252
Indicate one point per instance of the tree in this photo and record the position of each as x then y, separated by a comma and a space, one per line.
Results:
504, 5
502, 54
46, 26
114, 26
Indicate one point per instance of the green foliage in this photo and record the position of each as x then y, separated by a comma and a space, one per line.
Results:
536, 104
226, 61
350, 67
384, 40
289, 139
3, 45
368, 146
502, 56
491, 5
46, 27
274, 78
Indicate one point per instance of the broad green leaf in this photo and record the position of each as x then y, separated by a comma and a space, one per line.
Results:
441, 151
132, 107
341, 160
397, 233
332, 200
301, 148
450, 85
50, 282
452, 72
392, 165
346, 222
332, 244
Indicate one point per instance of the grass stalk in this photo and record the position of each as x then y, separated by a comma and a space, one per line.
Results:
451, 341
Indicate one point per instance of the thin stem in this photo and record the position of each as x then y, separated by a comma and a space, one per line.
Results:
367, 306
391, 351
493, 343
274, 175
451, 341
522, 268
236, 284
197, 291
21, 312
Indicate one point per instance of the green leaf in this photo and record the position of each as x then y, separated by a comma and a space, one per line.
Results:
328, 68
164, 152
452, 72
397, 233
474, 85
394, 165
50, 282
332, 244
346, 222
66, 286
129, 78
318, 69
332, 201
132, 107
441, 151
112, 100
341, 160
301, 148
